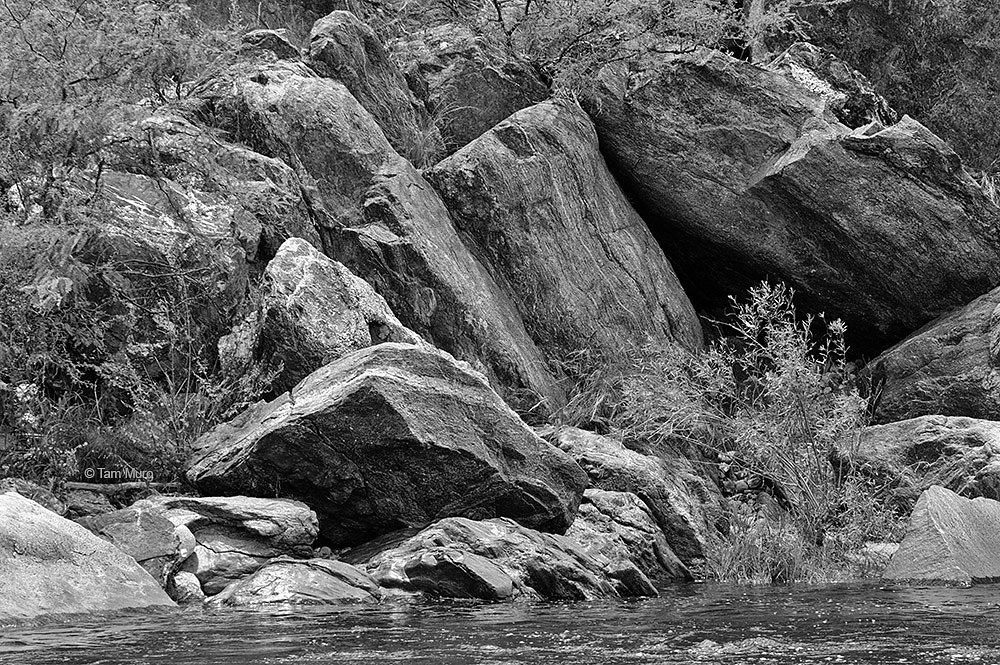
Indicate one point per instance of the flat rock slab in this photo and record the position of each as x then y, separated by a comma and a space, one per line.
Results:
950, 540
50, 565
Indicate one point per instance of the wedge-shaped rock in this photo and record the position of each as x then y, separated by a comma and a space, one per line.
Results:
342, 47
681, 503
534, 198
494, 559
301, 582
949, 540
959, 454
744, 173
948, 367
619, 527
313, 310
236, 535
379, 217
392, 436
50, 565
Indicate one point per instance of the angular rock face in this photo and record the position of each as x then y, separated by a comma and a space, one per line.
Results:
743, 173
313, 311
619, 527
379, 217
468, 87
156, 543
948, 367
343, 48
949, 540
960, 454
301, 582
264, 188
29, 490
50, 565
387, 437
493, 560
533, 187
679, 501
236, 535
848, 94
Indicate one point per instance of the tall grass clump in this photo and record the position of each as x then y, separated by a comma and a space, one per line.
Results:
771, 401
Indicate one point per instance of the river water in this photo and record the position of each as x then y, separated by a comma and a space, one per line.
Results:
690, 624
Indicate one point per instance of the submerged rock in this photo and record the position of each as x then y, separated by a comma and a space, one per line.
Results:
949, 540
50, 565
301, 582
495, 559
960, 454
744, 173
619, 527
532, 188
948, 367
391, 436
680, 502
468, 86
313, 311
236, 535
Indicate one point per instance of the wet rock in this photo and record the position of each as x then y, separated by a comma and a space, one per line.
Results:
389, 436
342, 47
301, 582
313, 311
949, 540
848, 94
29, 490
493, 560
50, 565
960, 454
236, 535
379, 217
185, 588
680, 502
743, 173
145, 534
619, 527
532, 187
948, 367
468, 87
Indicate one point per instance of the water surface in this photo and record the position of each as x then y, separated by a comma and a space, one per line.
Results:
693, 624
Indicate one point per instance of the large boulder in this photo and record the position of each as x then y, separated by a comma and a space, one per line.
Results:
534, 198
378, 216
468, 85
682, 504
619, 527
949, 540
948, 367
313, 310
390, 436
50, 565
301, 582
960, 454
495, 559
342, 47
236, 535
744, 173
